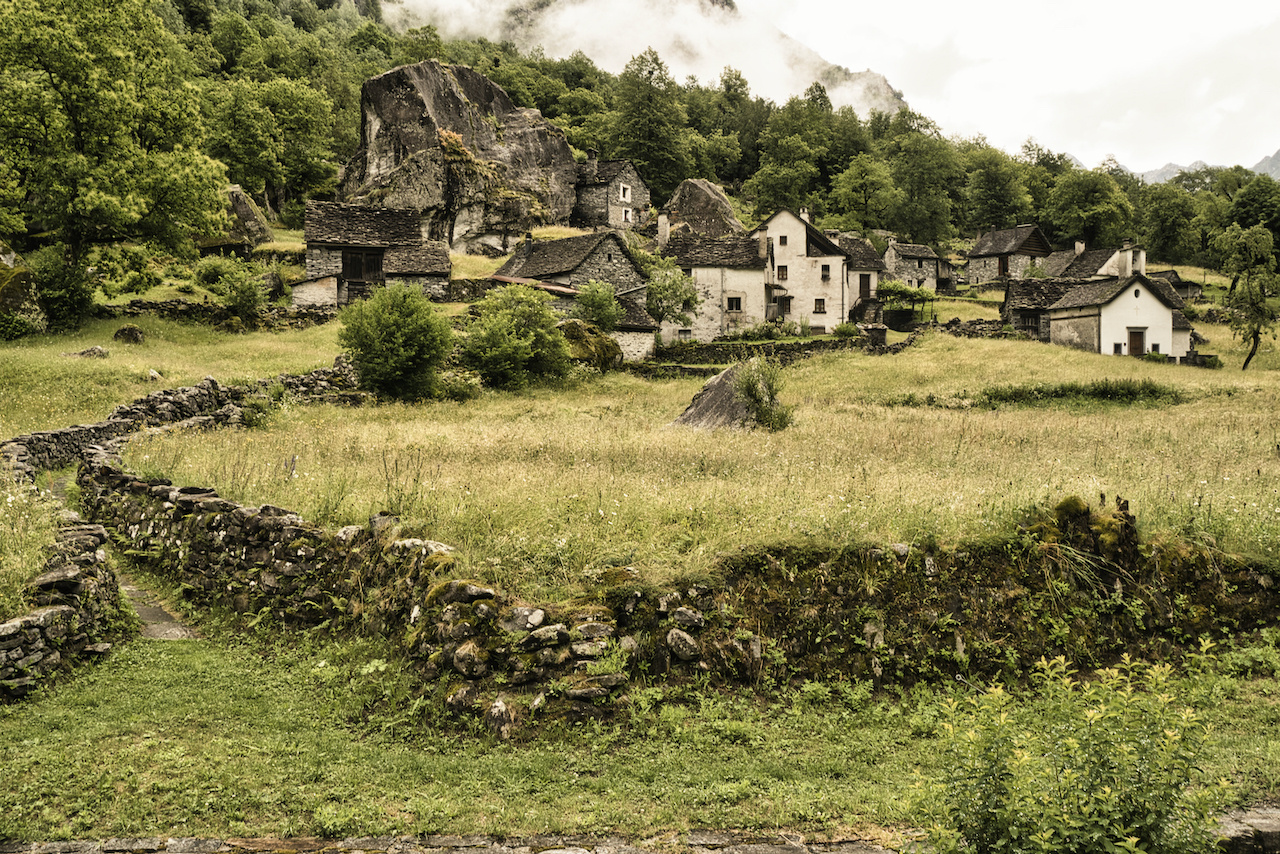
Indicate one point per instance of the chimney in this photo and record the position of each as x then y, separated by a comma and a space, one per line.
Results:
591, 169
1126, 262
804, 214
664, 228
528, 239
1079, 247
763, 237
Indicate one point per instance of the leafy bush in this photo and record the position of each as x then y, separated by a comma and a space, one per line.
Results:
214, 272
125, 270
845, 330
245, 296
1102, 766
597, 303
397, 341
515, 340
13, 327
757, 384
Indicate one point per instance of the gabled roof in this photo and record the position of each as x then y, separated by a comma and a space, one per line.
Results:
734, 251
818, 245
361, 225
606, 171
429, 259
1104, 291
914, 250
546, 258
1069, 265
861, 254
1022, 240
1035, 294
636, 319
1170, 276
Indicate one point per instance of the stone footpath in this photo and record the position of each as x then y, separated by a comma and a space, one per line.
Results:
1255, 831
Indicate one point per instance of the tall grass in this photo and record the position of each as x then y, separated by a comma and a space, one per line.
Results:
27, 530
543, 492
41, 389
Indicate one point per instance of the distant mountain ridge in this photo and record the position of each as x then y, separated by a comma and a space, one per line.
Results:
1269, 165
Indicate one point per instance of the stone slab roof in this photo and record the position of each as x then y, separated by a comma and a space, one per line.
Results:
429, 259
1035, 294
361, 225
734, 251
915, 250
1068, 265
636, 319
1024, 240
546, 258
1104, 291
606, 171
862, 255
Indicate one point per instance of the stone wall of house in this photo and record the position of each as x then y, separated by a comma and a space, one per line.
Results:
988, 269
323, 261
636, 346
608, 263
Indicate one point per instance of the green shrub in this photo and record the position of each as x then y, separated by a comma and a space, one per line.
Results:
757, 384
397, 341
597, 304
514, 341
214, 272
1093, 767
845, 330
13, 327
245, 295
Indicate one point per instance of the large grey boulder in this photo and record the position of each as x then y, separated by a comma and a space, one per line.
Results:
717, 405
704, 207
448, 141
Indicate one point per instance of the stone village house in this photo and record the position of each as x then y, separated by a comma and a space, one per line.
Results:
352, 249
610, 194
786, 269
1125, 313
560, 267
913, 264
1007, 252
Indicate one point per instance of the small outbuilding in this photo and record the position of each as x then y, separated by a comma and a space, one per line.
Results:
1007, 252
610, 194
1132, 316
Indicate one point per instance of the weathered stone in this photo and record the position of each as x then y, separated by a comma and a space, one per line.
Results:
401, 163
464, 591
546, 636
501, 719
589, 649
522, 619
470, 660
689, 618
594, 630
682, 645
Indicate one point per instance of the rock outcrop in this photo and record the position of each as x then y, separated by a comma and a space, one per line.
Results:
448, 141
704, 208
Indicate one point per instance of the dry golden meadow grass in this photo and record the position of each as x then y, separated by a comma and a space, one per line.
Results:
541, 492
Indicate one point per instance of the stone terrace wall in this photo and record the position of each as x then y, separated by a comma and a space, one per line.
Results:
79, 608
785, 352
77, 593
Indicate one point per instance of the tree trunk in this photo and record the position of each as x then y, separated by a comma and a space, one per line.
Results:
1255, 338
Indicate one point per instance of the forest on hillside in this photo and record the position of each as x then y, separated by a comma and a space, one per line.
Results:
125, 119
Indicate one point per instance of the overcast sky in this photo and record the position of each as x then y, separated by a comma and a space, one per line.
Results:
1148, 81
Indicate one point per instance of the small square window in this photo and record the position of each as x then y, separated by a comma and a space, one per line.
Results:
626, 214
624, 193
782, 272
826, 272
685, 334
1117, 349
819, 306
782, 240
735, 303
1155, 348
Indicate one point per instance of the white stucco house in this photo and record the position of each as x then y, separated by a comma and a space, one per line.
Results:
1129, 316
806, 279
729, 273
